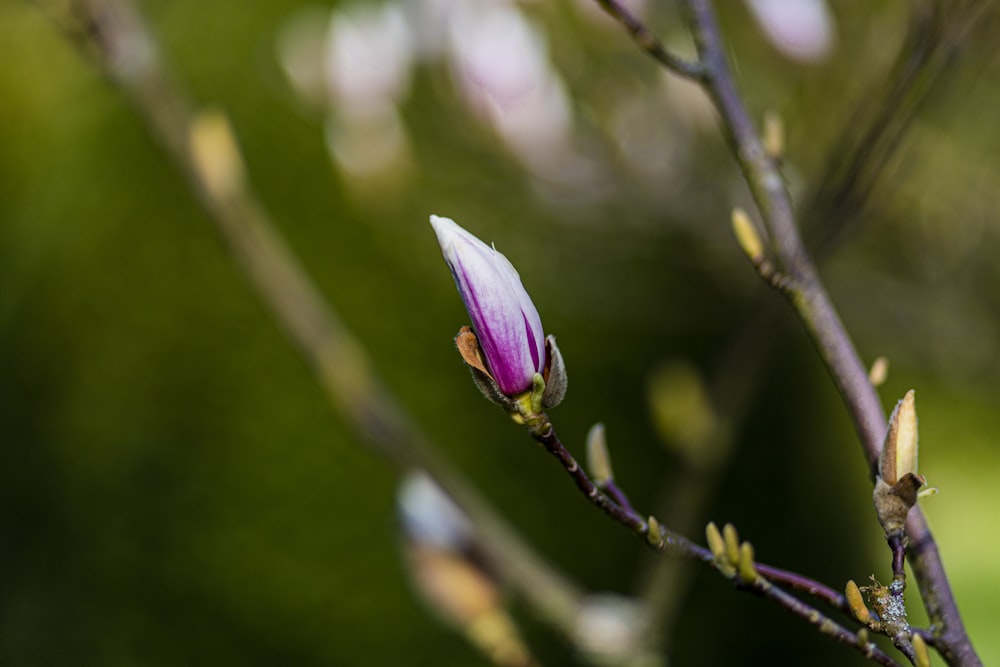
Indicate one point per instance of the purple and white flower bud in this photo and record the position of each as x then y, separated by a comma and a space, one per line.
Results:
505, 321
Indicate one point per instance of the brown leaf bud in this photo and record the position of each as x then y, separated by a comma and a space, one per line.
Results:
899, 450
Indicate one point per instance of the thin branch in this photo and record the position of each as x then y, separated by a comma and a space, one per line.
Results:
673, 542
649, 43
763, 585
898, 549
818, 315
665, 540
619, 496
545, 434
824, 624
132, 59
797, 582
816, 310
768, 189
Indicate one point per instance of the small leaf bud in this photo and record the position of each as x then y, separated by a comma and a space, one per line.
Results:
748, 573
747, 236
215, 154
598, 457
879, 372
654, 534
715, 542
857, 603
732, 540
921, 657
774, 135
929, 491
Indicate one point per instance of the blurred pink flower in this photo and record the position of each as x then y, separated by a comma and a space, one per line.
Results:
802, 30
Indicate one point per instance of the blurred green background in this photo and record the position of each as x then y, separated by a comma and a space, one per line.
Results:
174, 490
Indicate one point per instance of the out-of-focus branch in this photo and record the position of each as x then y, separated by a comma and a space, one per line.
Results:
649, 43
938, 32
797, 279
771, 197
842, 199
814, 307
699, 418
203, 148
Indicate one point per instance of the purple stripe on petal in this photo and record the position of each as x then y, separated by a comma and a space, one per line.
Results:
536, 359
505, 320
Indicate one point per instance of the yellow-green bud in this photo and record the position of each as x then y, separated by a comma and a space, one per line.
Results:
857, 603
715, 542
747, 236
732, 540
598, 457
748, 572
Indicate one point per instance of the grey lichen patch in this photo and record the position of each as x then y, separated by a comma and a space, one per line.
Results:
894, 610
889, 607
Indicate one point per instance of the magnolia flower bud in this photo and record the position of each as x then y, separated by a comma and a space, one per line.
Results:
507, 328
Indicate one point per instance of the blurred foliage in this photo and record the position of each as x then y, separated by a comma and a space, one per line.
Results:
174, 490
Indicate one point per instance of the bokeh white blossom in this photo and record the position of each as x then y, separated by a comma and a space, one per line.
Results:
802, 30
357, 63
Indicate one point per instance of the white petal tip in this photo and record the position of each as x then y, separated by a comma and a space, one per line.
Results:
446, 229
441, 220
